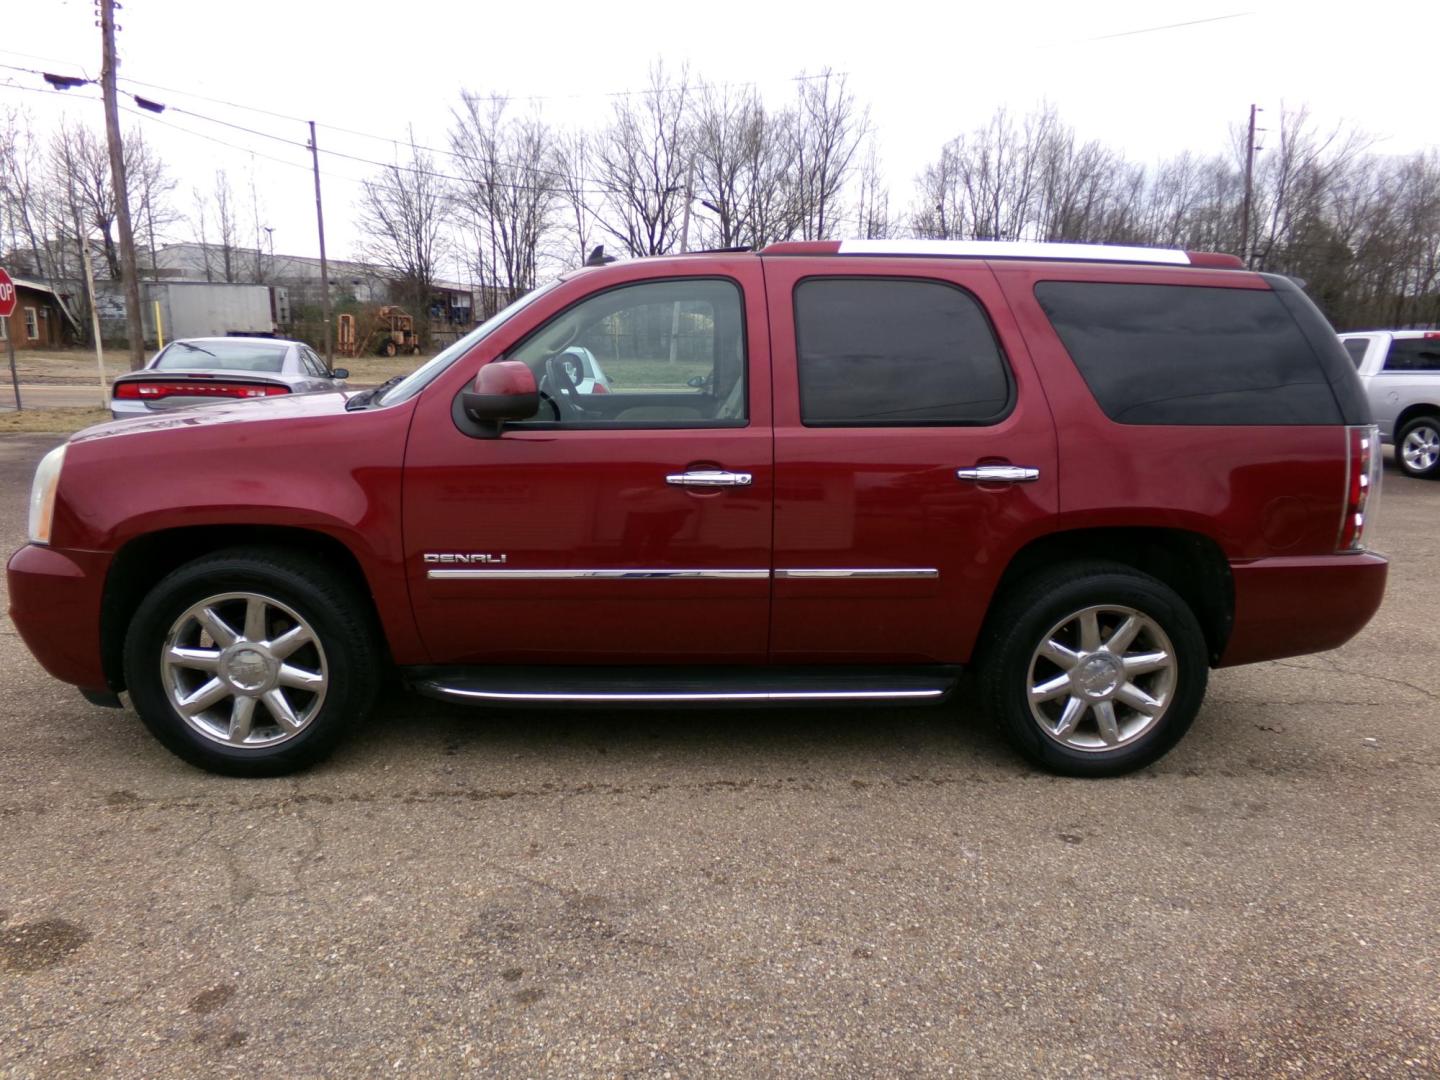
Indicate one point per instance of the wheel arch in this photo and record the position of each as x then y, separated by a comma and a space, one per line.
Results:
1189, 562
143, 561
1411, 412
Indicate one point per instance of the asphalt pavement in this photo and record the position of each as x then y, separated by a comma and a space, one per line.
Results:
825, 893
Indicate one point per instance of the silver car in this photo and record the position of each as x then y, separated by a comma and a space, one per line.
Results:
204, 371
584, 370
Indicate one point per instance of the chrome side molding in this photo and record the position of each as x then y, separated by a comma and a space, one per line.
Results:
888, 573
898, 573
604, 575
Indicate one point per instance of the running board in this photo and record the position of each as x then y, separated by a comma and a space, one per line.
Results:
598, 686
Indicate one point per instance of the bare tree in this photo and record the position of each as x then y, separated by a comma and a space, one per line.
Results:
872, 210
570, 164
643, 163
403, 223
827, 130
508, 190
227, 229
80, 166
151, 187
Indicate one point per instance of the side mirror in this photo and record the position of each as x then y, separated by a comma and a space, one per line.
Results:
503, 390
340, 373
697, 381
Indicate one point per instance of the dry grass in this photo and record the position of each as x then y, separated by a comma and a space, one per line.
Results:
53, 421
67, 365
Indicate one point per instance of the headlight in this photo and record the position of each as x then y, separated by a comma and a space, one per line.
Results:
42, 495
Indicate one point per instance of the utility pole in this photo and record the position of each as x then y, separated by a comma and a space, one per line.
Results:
1249, 189
94, 319
685, 214
324, 266
129, 273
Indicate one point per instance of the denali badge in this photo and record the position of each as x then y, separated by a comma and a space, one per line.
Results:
451, 557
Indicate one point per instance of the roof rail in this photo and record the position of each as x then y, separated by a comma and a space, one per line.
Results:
1008, 249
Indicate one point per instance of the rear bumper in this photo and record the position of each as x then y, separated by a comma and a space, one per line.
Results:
55, 604
1294, 606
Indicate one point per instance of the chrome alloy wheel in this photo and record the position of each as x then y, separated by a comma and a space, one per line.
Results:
1101, 678
1421, 448
244, 670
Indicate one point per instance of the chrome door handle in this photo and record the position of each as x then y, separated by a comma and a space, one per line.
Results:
999, 474
709, 478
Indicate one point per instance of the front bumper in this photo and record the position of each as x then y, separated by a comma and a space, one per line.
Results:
1299, 605
55, 601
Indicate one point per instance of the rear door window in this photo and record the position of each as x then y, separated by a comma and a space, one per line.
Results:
1413, 354
1189, 354
314, 366
896, 352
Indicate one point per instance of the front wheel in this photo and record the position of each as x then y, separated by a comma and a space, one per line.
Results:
1417, 448
251, 662
1094, 669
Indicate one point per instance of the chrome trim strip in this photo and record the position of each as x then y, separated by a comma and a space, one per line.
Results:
758, 695
606, 575
891, 573
1013, 249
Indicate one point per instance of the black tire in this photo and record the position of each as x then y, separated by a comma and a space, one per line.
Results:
1428, 428
343, 627
1019, 626
388, 349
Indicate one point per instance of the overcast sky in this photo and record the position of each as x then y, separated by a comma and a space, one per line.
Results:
927, 71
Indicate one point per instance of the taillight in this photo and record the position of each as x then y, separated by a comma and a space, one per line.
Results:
154, 391
1362, 484
599, 388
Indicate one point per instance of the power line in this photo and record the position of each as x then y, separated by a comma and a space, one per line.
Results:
600, 189
1169, 26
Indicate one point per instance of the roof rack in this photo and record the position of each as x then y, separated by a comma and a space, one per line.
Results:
1008, 249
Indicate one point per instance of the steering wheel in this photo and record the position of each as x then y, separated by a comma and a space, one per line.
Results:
560, 390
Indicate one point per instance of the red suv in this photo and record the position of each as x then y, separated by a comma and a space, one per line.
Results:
824, 473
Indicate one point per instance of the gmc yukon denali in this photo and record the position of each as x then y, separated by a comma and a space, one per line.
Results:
827, 473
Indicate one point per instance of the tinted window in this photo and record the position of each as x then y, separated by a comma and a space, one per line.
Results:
655, 354
1188, 354
1356, 347
895, 351
222, 356
313, 365
1413, 354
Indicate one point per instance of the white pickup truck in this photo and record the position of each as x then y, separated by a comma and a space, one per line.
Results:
1401, 373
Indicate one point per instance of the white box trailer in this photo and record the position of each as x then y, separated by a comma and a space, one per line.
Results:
209, 309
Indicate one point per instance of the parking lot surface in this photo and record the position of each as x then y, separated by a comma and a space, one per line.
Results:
808, 893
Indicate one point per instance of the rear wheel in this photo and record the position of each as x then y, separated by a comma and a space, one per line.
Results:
1417, 447
251, 662
1094, 669
388, 349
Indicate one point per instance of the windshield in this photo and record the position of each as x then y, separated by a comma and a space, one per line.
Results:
427, 372
222, 356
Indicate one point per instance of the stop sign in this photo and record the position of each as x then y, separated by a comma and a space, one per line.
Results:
7, 295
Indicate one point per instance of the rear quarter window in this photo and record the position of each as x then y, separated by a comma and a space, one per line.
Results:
1189, 354
1357, 348
1413, 354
